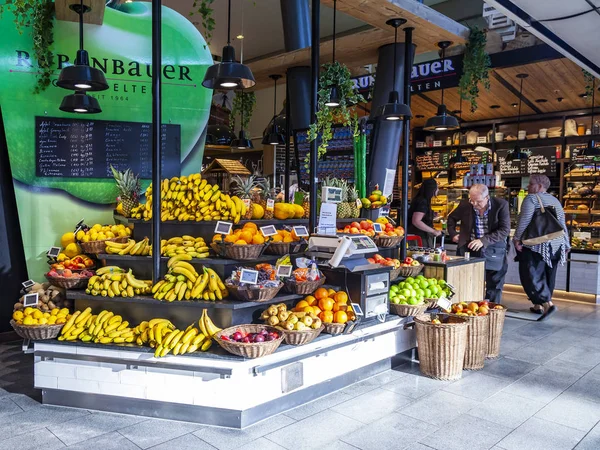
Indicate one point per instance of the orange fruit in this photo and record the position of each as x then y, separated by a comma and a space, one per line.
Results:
246, 236
258, 239
312, 301
231, 238
341, 297
340, 317
321, 293
240, 242
326, 317
217, 237
316, 310
326, 304
330, 292
250, 225
340, 306
308, 309
301, 305
288, 239
277, 238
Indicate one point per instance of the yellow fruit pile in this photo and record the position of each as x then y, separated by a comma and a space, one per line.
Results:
188, 198
249, 234
34, 316
131, 247
285, 211
101, 233
112, 281
278, 315
104, 328
195, 247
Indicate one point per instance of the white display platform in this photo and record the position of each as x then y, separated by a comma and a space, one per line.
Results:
225, 391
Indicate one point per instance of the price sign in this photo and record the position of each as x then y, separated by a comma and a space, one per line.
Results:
377, 228
270, 204
437, 143
27, 284
53, 252
385, 211
357, 309
358, 203
284, 271
301, 231
30, 300
444, 303
223, 227
268, 230
247, 202
584, 235
249, 276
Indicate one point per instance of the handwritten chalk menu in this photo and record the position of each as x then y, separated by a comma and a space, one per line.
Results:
472, 157
509, 168
432, 160
87, 148
541, 160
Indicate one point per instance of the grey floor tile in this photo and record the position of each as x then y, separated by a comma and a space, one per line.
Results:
538, 387
395, 431
415, 386
558, 365
331, 400
33, 441
409, 367
152, 432
373, 405
507, 409
36, 418
452, 436
439, 408
581, 355
109, 441
538, 434
92, 425
369, 384
572, 412
591, 441
321, 429
185, 442
227, 438
8, 407
261, 444
513, 369
538, 354
418, 446
337, 445
586, 388
25, 402
478, 386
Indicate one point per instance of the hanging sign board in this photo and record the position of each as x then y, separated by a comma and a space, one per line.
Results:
249, 276
301, 231
284, 271
223, 227
268, 230
30, 300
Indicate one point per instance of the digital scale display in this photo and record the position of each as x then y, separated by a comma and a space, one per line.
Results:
363, 242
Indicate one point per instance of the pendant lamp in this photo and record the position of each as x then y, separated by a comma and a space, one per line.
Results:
229, 74
80, 102
242, 142
334, 90
442, 121
81, 77
591, 149
393, 109
517, 154
274, 137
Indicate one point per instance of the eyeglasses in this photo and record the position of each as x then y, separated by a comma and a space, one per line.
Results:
479, 202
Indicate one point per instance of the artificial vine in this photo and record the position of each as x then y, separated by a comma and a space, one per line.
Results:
39, 16
476, 66
333, 74
243, 102
204, 8
589, 84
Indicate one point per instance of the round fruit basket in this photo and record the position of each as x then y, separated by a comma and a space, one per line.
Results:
37, 332
395, 273
95, 247
478, 330
283, 248
259, 294
334, 328
410, 271
303, 288
408, 310
249, 350
497, 316
303, 337
239, 252
74, 282
388, 241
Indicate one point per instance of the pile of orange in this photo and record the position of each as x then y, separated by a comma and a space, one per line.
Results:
285, 236
330, 306
248, 234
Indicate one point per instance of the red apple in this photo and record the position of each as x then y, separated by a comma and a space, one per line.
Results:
355, 225
364, 225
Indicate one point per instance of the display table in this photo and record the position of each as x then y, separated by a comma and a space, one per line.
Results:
214, 388
467, 276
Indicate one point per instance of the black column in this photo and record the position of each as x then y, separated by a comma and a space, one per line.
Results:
408, 58
288, 132
156, 134
296, 24
314, 81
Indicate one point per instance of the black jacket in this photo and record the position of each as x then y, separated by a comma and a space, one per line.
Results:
498, 222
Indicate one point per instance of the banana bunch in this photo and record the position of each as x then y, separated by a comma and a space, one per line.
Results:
131, 247
195, 247
182, 282
104, 328
190, 198
117, 283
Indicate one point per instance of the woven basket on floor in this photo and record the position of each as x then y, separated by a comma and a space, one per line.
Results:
303, 288
37, 332
239, 252
95, 247
68, 282
334, 328
301, 337
497, 317
478, 332
410, 271
388, 241
254, 350
408, 310
441, 347
253, 295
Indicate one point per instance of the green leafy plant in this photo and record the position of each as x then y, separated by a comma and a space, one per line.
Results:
333, 74
39, 16
204, 8
589, 84
243, 102
476, 67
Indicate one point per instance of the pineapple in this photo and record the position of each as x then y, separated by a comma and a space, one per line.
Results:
343, 208
266, 194
306, 206
354, 208
129, 188
243, 190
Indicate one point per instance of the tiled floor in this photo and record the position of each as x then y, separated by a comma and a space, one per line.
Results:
543, 393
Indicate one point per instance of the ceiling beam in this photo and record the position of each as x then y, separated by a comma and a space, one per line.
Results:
94, 16
515, 91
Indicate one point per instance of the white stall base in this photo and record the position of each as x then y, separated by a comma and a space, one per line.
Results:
216, 391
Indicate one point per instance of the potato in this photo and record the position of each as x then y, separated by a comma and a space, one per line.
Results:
18, 306
51, 305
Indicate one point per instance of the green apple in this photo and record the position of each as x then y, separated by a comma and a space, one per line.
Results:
413, 301
424, 284
394, 289
420, 292
395, 300
427, 293
406, 292
434, 289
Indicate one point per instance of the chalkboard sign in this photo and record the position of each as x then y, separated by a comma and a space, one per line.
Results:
541, 160
509, 168
87, 148
472, 157
432, 160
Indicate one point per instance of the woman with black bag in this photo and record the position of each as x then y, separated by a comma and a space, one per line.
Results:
542, 242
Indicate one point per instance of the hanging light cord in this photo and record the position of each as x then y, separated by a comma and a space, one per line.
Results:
242, 50
242, 111
275, 101
520, 101
395, 49
229, 24
443, 65
593, 101
334, 16
81, 25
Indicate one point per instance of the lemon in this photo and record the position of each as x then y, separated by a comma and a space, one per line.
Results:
37, 314
122, 233
28, 311
110, 234
28, 320
97, 227
128, 231
94, 236
86, 238
101, 236
64, 312
72, 250
43, 321
67, 238
46, 315
17, 315
60, 320
80, 235
52, 320
54, 312
114, 229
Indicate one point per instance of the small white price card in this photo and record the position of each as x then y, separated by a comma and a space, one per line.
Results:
270, 204
268, 230
247, 202
53, 252
284, 271
444, 303
223, 227
249, 276
357, 309
358, 203
30, 300
377, 228
438, 143
420, 144
27, 284
301, 231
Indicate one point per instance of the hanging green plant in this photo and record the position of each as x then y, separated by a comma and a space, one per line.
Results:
243, 102
476, 67
204, 8
333, 74
589, 85
39, 16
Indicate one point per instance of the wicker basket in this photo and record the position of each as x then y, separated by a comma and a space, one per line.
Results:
304, 288
388, 241
282, 248
239, 252
497, 317
441, 347
395, 273
37, 332
301, 337
410, 271
478, 331
68, 282
408, 310
254, 295
334, 328
254, 350
95, 247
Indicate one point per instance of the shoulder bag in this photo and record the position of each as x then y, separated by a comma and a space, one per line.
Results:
544, 226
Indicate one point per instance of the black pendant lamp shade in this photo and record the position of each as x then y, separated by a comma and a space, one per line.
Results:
81, 76
80, 102
442, 121
517, 154
229, 74
393, 109
274, 137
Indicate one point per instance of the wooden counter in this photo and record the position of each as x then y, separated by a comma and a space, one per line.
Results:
467, 277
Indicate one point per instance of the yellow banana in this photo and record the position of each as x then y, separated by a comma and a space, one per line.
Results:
156, 321
157, 286
186, 273
182, 292
83, 316
181, 257
127, 249
69, 323
206, 345
189, 335
198, 339
184, 264
133, 282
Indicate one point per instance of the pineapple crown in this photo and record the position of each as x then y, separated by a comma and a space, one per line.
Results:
267, 191
128, 184
244, 187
